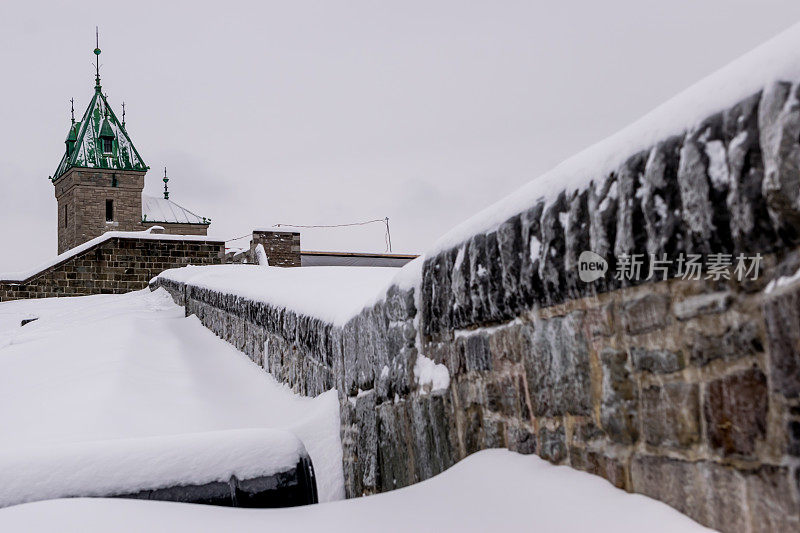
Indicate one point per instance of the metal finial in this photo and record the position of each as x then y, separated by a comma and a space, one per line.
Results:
166, 190
72, 109
97, 58
123, 114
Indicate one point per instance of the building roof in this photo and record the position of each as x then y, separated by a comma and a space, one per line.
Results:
310, 258
84, 143
156, 209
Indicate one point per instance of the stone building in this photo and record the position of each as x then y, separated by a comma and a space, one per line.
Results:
99, 182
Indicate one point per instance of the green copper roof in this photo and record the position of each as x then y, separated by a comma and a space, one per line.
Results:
73, 132
100, 121
106, 131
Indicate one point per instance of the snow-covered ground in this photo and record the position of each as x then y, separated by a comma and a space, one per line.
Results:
493, 490
112, 367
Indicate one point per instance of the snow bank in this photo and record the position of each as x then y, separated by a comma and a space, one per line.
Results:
777, 59
492, 490
126, 466
72, 252
332, 294
108, 367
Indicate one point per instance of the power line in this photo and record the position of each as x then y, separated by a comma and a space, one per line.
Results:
330, 225
387, 239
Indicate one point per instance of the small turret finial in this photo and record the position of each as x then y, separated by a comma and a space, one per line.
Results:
97, 58
166, 190
72, 109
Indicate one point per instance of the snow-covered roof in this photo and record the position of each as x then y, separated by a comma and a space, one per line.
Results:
86, 149
156, 209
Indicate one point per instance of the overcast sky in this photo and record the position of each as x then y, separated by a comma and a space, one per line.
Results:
333, 112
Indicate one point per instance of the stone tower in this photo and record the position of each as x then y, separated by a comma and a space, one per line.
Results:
100, 179
99, 182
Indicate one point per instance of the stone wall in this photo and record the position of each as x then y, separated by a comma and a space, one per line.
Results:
687, 391
114, 266
282, 247
82, 193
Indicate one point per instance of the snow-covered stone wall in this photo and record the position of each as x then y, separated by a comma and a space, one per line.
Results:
113, 263
685, 390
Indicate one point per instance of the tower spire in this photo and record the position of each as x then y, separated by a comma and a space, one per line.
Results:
72, 109
123, 115
97, 58
166, 190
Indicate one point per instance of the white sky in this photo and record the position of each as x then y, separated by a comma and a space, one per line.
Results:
331, 112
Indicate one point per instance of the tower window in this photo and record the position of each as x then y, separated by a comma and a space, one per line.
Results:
109, 210
107, 145
66, 217
114, 180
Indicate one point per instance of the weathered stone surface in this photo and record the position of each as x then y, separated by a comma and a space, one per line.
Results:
366, 442
505, 396
657, 194
779, 124
671, 414
736, 342
793, 437
735, 409
657, 361
600, 321
711, 494
697, 212
619, 411
576, 240
475, 350
782, 317
773, 500
530, 284
630, 235
702, 304
395, 451
603, 216
509, 344
521, 439
597, 463
648, 313
479, 280
557, 369
551, 258
509, 246
552, 444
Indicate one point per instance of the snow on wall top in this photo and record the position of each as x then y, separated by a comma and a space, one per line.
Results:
99, 119
332, 294
155, 209
26, 274
777, 59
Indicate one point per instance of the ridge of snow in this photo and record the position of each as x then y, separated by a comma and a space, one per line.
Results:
777, 59
491, 490
126, 466
26, 274
333, 294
